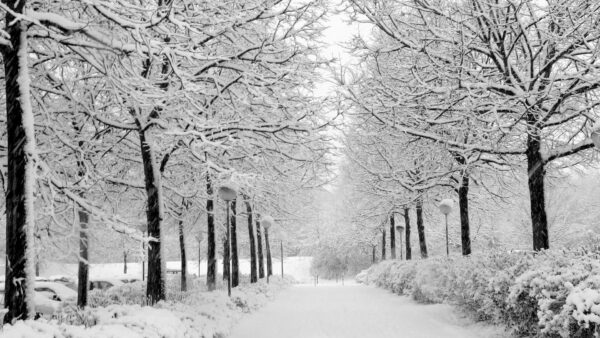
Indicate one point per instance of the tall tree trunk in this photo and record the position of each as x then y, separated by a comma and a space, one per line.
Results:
261, 261
421, 227
393, 237
124, 262
463, 205
83, 269
269, 260
183, 257
155, 287
253, 267
211, 245
235, 263
383, 256
407, 233
536, 170
20, 214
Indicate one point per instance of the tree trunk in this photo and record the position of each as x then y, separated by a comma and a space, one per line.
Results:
83, 271
253, 267
383, 256
20, 214
261, 261
407, 233
211, 252
124, 262
269, 261
155, 287
393, 237
183, 257
374, 254
235, 263
536, 170
421, 228
463, 205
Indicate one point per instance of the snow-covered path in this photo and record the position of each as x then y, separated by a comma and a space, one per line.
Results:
355, 311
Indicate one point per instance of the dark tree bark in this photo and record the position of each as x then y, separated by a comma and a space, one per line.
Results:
83, 269
383, 256
463, 205
536, 170
374, 254
393, 237
20, 150
261, 261
253, 267
235, 263
421, 228
124, 262
37, 267
407, 233
182, 250
269, 260
211, 252
226, 259
155, 287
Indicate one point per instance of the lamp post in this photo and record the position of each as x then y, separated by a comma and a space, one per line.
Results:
445, 208
267, 221
228, 193
400, 230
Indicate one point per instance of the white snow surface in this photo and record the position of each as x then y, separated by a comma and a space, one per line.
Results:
356, 311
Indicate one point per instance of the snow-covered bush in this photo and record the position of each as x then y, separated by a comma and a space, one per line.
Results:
198, 314
548, 294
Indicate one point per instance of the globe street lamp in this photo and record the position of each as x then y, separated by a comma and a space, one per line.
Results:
228, 193
445, 208
400, 230
267, 221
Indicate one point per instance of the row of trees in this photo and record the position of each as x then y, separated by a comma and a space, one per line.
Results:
470, 96
118, 107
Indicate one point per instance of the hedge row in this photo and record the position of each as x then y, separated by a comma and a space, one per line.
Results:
547, 294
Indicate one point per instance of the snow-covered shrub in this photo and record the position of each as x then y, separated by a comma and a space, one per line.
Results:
126, 294
581, 313
199, 314
431, 281
547, 294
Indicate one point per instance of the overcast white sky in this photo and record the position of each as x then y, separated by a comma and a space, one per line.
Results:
339, 33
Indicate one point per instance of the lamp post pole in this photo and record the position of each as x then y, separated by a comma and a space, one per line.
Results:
228, 252
447, 246
445, 208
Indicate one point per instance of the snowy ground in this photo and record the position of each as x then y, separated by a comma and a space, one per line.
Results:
353, 310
